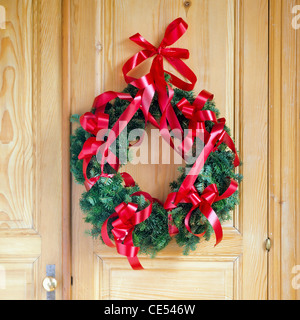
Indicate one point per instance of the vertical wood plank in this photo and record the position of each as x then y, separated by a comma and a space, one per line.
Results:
238, 96
275, 100
66, 130
16, 117
30, 142
289, 147
284, 151
297, 116
83, 91
254, 142
49, 139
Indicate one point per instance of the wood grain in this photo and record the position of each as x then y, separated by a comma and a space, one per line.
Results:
30, 142
16, 136
284, 151
49, 140
84, 78
275, 149
184, 279
20, 246
66, 131
253, 146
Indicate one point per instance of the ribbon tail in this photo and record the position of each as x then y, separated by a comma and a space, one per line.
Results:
104, 232
120, 125
129, 182
230, 190
227, 139
173, 230
88, 183
183, 69
213, 219
135, 263
110, 158
127, 250
191, 177
152, 120
101, 101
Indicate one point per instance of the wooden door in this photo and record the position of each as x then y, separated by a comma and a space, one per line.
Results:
30, 143
56, 56
228, 43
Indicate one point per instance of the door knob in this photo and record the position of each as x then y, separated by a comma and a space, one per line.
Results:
49, 284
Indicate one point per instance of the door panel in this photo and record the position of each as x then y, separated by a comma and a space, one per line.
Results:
229, 54
182, 279
30, 139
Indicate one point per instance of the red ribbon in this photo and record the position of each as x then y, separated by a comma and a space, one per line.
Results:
155, 81
217, 136
204, 203
127, 178
101, 101
93, 123
123, 227
135, 104
187, 190
197, 118
173, 32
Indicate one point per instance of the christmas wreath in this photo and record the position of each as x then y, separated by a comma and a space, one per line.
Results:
122, 215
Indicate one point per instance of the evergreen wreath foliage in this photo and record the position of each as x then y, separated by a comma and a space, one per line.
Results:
152, 235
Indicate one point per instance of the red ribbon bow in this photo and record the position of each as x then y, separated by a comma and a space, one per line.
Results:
156, 77
204, 203
93, 123
155, 81
197, 118
123, 227
194, 112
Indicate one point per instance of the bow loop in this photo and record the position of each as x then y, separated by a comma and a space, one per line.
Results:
142, 42
186, 108
179, 53
202, 98
193, 197
210, 194
92, 123
175, 30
